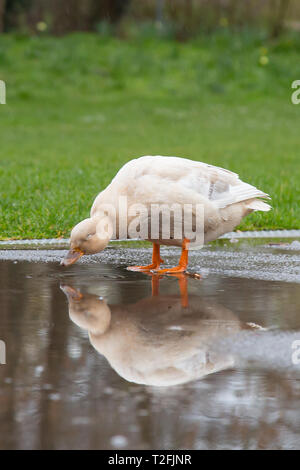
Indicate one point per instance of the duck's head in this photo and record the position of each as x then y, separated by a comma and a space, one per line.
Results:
88, 311
88, 237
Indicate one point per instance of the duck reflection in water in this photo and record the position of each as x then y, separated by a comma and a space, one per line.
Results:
161, 340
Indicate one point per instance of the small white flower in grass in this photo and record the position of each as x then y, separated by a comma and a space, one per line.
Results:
41, 26
264, 60
224, 22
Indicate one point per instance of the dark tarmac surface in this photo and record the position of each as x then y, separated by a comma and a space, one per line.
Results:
98, 357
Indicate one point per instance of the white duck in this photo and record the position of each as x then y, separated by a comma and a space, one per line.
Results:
152, 180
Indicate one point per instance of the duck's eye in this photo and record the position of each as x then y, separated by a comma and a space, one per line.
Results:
89, 236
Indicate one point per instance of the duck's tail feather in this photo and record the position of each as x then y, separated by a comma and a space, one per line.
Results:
244, 192
258, 205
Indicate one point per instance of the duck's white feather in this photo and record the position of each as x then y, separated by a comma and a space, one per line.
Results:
167, 180
220, 186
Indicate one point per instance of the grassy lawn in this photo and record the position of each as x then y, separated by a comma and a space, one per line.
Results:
79, 107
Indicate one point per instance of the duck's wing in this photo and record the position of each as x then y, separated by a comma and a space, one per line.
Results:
226, 188
217, 185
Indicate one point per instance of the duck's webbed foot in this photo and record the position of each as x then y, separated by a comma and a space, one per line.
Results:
175, 270
150, 267
156, 261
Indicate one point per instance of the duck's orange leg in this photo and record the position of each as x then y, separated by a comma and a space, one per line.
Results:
156, 261
183, 262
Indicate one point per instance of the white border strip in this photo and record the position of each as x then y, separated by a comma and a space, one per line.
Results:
264, 234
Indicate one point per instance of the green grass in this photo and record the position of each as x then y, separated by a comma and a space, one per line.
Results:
79, 107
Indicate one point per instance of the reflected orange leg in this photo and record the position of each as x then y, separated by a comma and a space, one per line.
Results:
156, 261
155, 285
183, 283
183, 262
183, 286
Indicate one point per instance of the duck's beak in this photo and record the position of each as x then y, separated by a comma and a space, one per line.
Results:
72, 257
71, 292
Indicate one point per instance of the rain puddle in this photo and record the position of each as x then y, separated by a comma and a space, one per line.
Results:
98, 357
